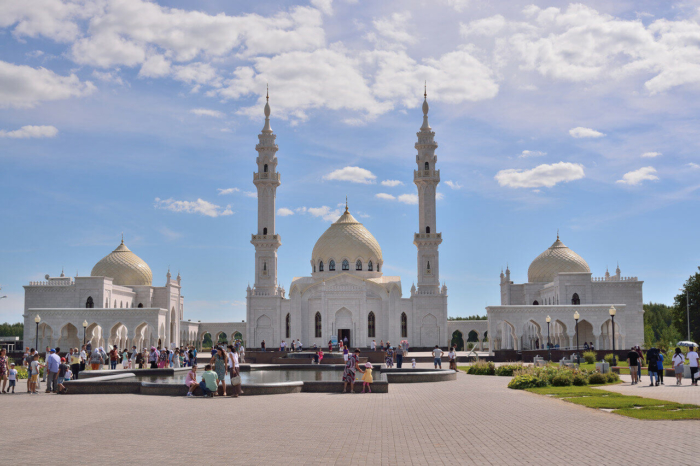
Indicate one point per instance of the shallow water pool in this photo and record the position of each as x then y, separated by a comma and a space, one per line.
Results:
266, 376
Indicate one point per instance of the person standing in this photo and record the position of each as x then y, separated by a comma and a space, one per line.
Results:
367, 378
352, 365
660, 367
28, 359
399, 356
693, 363
345, 341
13, 377
652, 363
4, 370
374, 345
437, 355
389, 357
330, 346
640, 360
346, 354
218, 361
632, 359
113, 357
52, 363
677, 363
262, 345
234, 371
452, 356
75, 363
96, 360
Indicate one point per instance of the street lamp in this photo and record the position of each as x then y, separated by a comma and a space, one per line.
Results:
37, 319
612, 312
687, 308
549, 344
85, 324
576, 317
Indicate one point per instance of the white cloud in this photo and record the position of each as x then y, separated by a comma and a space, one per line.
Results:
326, 6
458, 5
439, 196
155, 66
581, 132
385, 196
199, 206
207, 112
108, 76
391, 183
352, 174
30, 132
453, 184
693, 166
396, 28
531, 153
651, 155
483, 27
170, 234
542, 175
635, 177
253, 194
284, 212
227, 191
23, 86
54, 19
325, 212
408, 198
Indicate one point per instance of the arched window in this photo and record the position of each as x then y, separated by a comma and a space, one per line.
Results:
320, 266
121, 304
535, 303
314, 268
378, 266
428, 266
346, 264
370, 325
106, 302
115, 303
369, 266
575, 299
331, 266
265, 231
427, 166
264, 265
427, 229
404, 325
140, 305
265, 168
89, 303
317, 320
358, 265
288, 326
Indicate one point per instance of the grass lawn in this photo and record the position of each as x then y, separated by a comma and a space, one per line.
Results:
631, 406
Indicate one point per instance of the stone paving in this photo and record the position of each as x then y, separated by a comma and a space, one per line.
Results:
475, 419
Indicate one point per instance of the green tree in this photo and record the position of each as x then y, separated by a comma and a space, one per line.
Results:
691, 289
659, 328
12, 330
468, 318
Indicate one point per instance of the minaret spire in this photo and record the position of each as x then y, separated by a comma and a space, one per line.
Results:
346, 204
426, 107
267, 129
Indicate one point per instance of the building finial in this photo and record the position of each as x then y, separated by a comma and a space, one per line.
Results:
557, 234
267, 129
425, 89
267, 92
122, 237
346, 204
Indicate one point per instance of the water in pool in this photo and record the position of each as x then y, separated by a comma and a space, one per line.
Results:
265, 376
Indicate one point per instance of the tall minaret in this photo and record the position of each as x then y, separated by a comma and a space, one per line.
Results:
427, 178
266, 179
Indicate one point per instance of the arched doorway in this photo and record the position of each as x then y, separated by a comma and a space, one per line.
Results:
457, 339
429, 331
343, 325
207, 342
222, 338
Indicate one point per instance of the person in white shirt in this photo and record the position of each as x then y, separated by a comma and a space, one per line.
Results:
437, 354
677, 362
374, 345
693, 363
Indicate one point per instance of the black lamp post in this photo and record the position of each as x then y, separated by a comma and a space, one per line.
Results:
576, 317
85, 324
37, 319
549, 344
612, 312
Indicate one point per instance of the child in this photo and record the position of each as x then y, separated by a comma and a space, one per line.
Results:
12, 377
34, 382
413, 363
367, 377
209, 379
191, 381
62, 369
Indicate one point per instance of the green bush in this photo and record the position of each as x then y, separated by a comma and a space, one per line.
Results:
524, 381
507, 370
612, 377
470, 346
598, 378
21, 372
609, 358
563, 379
482, 368
580, 379
589, 356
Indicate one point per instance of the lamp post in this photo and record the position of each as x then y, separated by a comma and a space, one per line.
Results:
687, 308
612, 312
576, 317
549, 344
37, 319
85, 324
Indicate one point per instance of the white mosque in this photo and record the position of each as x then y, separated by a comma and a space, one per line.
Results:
346, 295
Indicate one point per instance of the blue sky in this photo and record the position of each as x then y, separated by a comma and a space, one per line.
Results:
142, 117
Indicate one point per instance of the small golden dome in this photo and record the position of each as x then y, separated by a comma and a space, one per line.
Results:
124, 267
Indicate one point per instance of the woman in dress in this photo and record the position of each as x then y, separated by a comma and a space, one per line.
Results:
218, 362
234, 370
125, 359
351, 366
330, 346
677, 361
163, 359
389, 358
176, 359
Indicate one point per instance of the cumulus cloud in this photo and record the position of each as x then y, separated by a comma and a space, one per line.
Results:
199, 206
54, 19
635, 177
30, 132
108, 76
408, 198
693, 166
326, 213
396, 28
325, 6
439, 196
542, 175
222, 191
531, 153
651, 155
23, 86
453, 184
385, 196
253, 194
207, 112
352, 174
581, 132
392, 183
483, 27
284, 212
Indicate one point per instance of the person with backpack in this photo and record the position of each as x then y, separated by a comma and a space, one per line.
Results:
652, 362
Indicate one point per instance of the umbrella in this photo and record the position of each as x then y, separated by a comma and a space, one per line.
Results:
689, 344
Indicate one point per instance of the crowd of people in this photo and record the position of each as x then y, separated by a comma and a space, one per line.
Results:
655, 365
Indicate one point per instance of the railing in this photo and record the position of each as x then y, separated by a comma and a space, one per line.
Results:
427, 236
66, 282
265, 237
614, 279
266, 176
426, 174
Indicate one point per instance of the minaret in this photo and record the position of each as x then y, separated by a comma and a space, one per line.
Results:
266, 179
426, 179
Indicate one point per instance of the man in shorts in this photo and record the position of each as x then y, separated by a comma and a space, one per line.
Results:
437, 354
632, 359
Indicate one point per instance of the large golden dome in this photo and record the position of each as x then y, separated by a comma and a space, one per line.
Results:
347, 239
557, 258
124, 267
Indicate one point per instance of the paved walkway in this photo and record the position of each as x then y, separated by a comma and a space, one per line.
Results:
670, 391
475, 419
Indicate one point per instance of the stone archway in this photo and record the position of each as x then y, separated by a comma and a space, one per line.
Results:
263, 331
69, 338
429, 331
457, 339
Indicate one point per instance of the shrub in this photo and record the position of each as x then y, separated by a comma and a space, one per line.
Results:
598, 378
470, 346
524, 381
482, 368
589, 356
563, 379
580, 379
507, 370
612, 377
609, 358
21, 372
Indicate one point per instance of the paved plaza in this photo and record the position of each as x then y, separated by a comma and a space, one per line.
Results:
474, 420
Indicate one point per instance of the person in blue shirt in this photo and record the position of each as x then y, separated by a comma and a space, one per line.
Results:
660, 365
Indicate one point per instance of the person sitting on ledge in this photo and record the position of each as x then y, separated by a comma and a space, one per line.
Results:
191, 381
209, 379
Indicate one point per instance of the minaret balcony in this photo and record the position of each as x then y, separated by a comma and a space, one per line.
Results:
266, 176
427, 238
426, 175
266, 240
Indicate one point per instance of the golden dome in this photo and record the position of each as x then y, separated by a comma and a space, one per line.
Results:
347, 239
558, 258
124, 267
